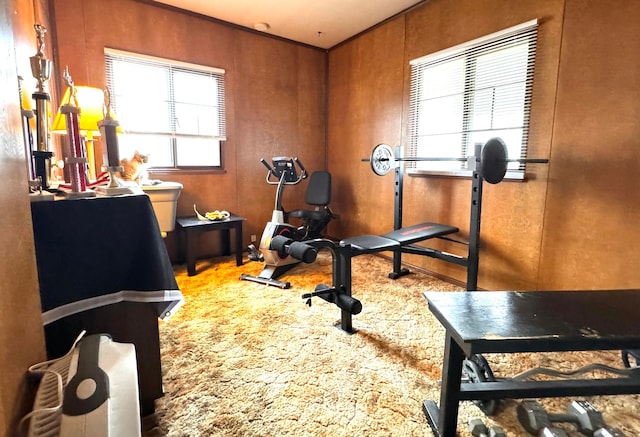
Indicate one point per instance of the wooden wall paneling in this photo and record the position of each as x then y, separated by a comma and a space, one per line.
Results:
365, 108
512, 216
21, 332
274, 109
274, 89
591, 231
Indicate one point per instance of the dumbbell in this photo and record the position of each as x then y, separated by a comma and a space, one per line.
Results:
590, 421
537, 421
479, 429
587, 420
608, 432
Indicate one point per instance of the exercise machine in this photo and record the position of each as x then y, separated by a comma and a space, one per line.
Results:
281, 172
489, 163
489, 160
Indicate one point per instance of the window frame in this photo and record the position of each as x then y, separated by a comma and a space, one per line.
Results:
526, 32
171, 129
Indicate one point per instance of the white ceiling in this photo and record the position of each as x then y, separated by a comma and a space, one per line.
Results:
319, 23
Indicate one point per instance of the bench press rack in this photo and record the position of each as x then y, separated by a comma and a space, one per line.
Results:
471, 261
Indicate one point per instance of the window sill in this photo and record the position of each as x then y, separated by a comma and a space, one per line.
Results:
514, 175
194, 171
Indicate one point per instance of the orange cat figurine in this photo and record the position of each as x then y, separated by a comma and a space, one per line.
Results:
134, 169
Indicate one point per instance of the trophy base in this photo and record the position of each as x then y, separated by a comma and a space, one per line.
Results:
40, 197
78, 194
113, 191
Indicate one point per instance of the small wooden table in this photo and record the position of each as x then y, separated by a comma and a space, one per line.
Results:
535, 321
191, 226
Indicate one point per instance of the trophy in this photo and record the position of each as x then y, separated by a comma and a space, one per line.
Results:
75, 158
41, 70
110, 153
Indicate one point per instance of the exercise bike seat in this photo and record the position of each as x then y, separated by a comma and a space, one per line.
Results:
363, 244
318, 194
420, 232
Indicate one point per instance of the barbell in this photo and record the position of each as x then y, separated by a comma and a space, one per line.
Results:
493, 159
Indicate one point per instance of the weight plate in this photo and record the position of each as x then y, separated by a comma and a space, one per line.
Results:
494, 161
382, 159
477, 370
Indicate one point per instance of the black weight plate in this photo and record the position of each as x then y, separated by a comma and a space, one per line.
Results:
494, 161
475, 373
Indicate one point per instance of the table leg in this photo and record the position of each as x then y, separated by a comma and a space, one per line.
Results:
226, 243
444, 420
190, 238
239, 244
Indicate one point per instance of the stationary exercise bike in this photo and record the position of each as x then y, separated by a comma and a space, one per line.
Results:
290, 171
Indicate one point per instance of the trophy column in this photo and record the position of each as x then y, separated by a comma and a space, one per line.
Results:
41, 70
111, 155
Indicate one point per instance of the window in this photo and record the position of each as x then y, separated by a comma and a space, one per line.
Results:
171, 110
469, 94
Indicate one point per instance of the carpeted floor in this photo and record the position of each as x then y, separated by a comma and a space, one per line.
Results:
244, 359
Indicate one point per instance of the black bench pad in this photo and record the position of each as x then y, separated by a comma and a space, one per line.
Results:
420, 232
370, 244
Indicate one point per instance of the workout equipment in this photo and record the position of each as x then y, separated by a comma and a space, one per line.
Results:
489, 163
283, 171
478, 429
474, 370
627, 354
581, 414
318, 195
537, 421
494, 159
590, 420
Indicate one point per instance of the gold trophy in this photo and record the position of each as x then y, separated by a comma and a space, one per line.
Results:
41, 70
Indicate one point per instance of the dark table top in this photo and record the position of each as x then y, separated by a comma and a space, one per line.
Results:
539, 321
192, 220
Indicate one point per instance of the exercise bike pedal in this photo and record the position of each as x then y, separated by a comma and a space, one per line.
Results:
254, 254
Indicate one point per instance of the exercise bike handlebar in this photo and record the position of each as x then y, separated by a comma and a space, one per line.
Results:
284, 171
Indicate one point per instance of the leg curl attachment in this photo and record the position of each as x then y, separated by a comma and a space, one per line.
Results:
335, 295
297, 249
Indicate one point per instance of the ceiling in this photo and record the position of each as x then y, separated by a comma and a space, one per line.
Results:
319, 23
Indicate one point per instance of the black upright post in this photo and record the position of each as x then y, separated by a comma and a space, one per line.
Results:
397, 212
474, 225
342, 281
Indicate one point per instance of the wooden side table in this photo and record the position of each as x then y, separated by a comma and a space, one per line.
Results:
190, 227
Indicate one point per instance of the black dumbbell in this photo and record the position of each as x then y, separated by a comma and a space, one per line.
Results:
479, 429
581, 414
537, 421
608, 432
590, 421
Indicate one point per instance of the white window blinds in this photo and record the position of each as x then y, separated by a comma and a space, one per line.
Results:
471, 93
179, 107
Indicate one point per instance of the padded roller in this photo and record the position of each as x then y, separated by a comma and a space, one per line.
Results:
348, 303
303, 252
279, 242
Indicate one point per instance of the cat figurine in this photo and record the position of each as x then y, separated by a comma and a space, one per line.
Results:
135, 168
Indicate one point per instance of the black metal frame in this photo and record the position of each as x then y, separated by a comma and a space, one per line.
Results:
471, 261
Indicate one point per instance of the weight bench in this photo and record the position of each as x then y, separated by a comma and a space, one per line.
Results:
342, 253
393, 241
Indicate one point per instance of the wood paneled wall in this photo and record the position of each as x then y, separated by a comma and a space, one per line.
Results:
275, 95
554, 231
21, 332
573, 223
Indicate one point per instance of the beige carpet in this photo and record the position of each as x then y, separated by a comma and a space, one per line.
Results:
244, 359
